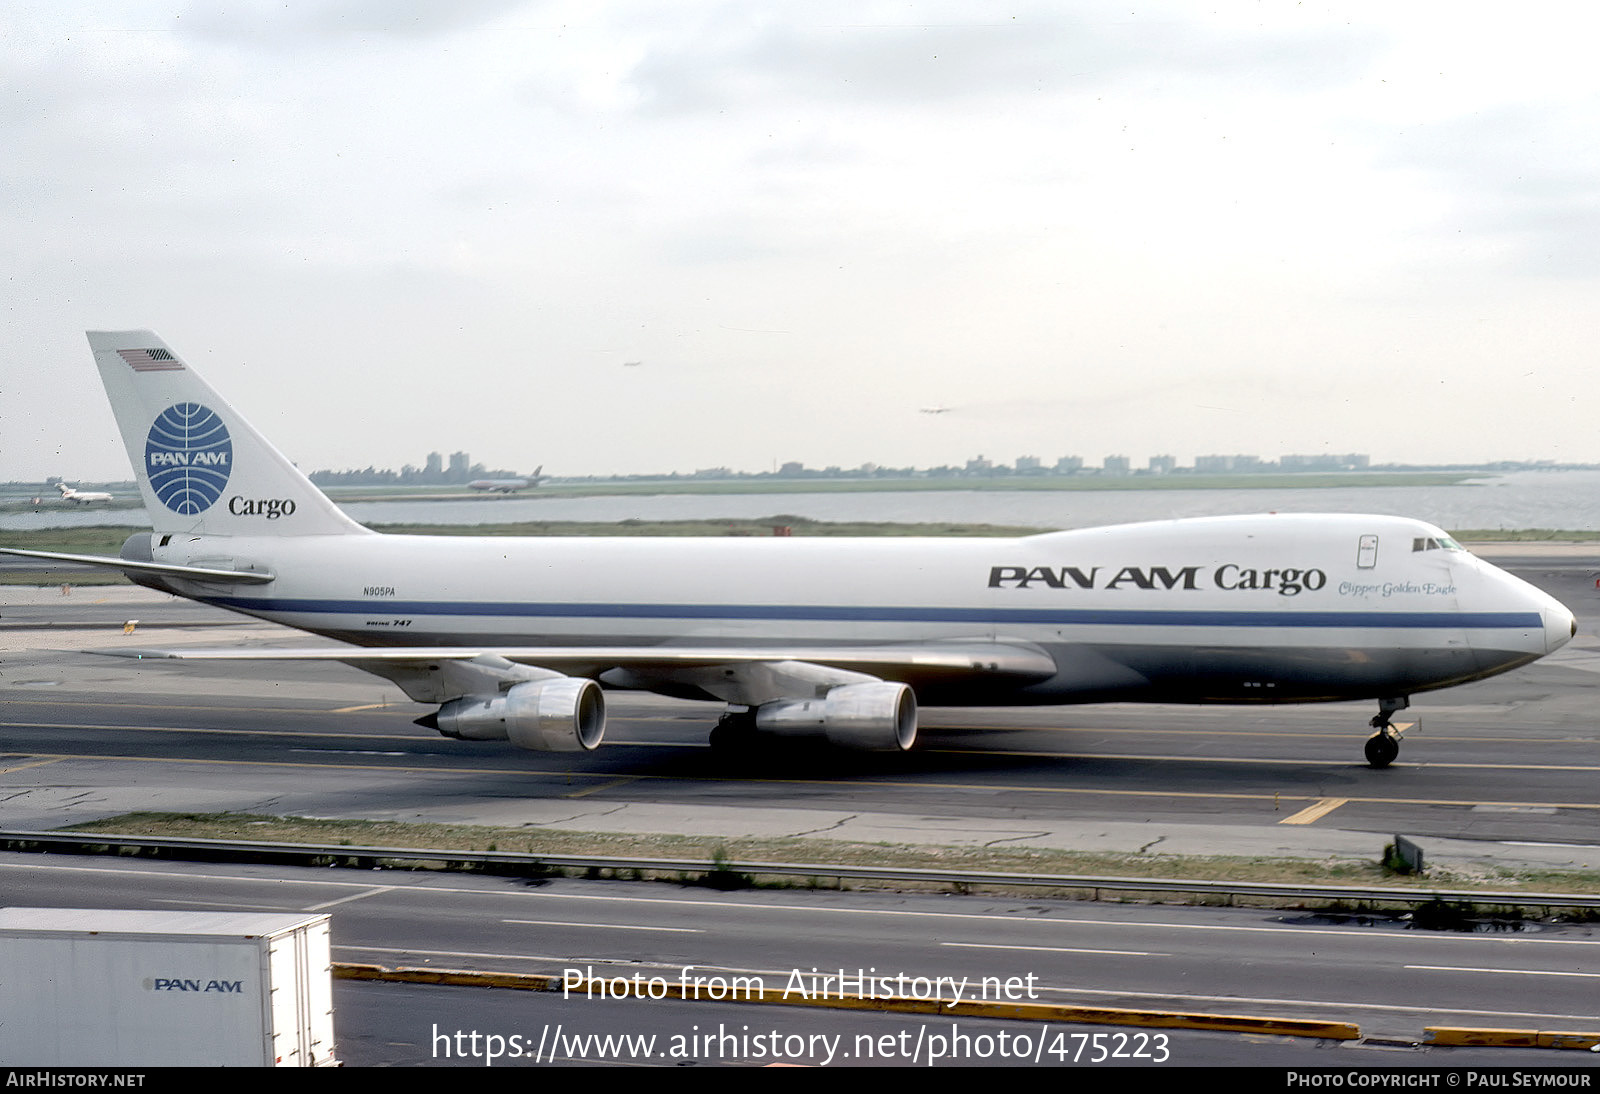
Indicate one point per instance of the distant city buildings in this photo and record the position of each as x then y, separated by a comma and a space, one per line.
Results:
1228, 465
1353, 461
1234, 465
432, 473
460, 469
1165, 464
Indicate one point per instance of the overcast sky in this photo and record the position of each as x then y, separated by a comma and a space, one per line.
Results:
385, 227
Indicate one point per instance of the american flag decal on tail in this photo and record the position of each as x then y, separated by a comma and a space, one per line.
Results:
150, 360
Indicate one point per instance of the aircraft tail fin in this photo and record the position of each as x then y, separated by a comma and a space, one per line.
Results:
202, 469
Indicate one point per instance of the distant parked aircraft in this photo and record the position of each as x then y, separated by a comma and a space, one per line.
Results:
508, 486
82, 497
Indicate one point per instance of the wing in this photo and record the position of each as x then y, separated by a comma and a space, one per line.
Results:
743, 675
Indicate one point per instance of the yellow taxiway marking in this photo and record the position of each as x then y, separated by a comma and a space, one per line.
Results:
399, 706
1197, 757
854, 784
1316, 811
24, 767
304, 734
1354, 734
1037, 754
221, 732
1034, 753
602, 786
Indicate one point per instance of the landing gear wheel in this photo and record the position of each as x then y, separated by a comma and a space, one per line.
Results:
734, 735
1382, 747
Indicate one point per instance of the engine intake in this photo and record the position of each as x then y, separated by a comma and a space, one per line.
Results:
878, 717
567, 714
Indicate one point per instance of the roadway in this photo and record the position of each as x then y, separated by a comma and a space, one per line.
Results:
1228, 961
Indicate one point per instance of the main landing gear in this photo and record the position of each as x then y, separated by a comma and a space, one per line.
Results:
735, 734
1383, 746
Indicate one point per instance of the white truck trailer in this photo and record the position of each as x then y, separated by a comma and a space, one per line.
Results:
94, 988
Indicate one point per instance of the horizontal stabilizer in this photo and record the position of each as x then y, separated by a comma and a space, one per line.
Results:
164, 569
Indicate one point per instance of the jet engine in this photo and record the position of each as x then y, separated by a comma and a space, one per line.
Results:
566, 714
878, 717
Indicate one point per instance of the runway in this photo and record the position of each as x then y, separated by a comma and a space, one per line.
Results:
1509, 760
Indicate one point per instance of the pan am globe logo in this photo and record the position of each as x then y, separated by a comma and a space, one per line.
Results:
188, 457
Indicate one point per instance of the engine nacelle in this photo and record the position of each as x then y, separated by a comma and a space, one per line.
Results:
566, 714
878, 717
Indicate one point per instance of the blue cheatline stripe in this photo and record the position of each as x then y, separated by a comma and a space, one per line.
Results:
877, 614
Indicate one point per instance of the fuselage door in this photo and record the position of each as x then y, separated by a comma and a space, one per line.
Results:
1367, 552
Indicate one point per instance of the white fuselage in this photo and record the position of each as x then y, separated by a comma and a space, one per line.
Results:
1271, 608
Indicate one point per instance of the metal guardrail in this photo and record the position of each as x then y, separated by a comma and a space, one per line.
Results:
521, 863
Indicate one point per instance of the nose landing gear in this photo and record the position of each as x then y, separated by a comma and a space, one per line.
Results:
1383, 746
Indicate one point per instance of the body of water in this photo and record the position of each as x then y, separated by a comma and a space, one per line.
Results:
1524, 499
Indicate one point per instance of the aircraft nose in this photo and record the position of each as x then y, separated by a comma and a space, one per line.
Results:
1560, 626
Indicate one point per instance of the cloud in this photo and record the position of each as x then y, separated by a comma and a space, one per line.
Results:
1525, 177
758, 57
270, 24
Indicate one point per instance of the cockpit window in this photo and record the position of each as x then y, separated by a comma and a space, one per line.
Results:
1431, 543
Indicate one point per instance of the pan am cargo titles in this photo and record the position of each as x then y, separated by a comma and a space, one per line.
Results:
1228, 576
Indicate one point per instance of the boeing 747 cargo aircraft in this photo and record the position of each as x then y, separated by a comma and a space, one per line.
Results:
515, 638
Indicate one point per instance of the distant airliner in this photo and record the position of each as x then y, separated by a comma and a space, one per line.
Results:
837, 638
508, 486
82, 497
